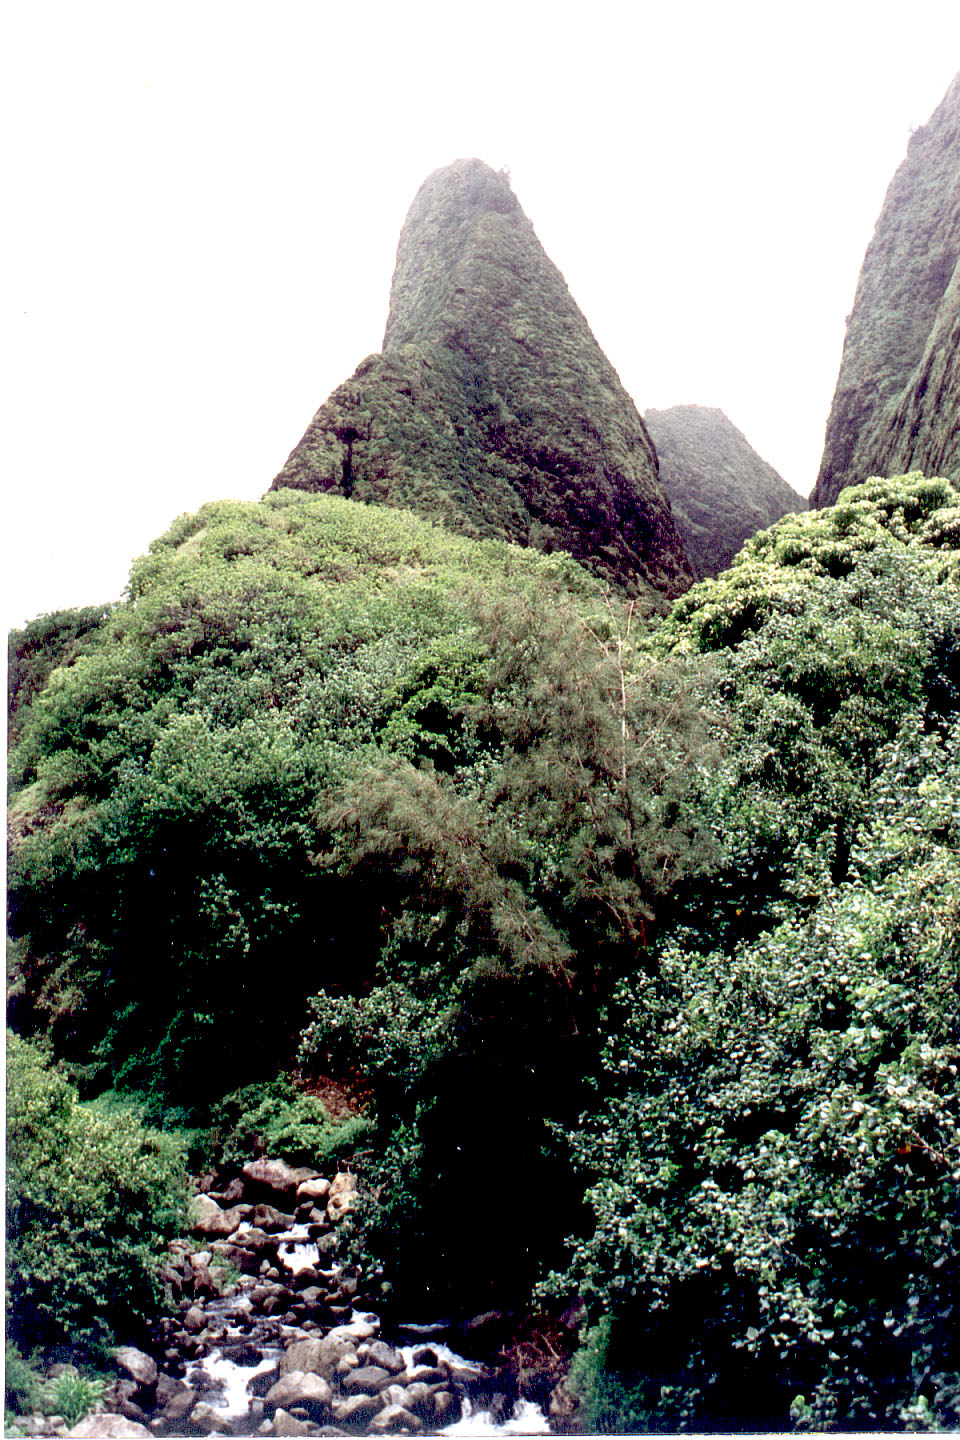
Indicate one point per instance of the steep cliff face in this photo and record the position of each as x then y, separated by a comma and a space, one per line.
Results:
897, 402
720, 489
491, 406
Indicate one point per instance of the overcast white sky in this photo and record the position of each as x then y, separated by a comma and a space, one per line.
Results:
207, 196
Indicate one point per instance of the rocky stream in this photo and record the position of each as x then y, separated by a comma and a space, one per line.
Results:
272, 1335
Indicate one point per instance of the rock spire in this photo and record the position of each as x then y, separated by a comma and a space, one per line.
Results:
491, 406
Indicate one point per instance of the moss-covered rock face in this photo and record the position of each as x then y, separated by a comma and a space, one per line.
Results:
720, 489
897, 402
491, 407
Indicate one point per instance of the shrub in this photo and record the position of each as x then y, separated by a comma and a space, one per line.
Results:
24, 1387
74, 1396
91, 1202
286, 1124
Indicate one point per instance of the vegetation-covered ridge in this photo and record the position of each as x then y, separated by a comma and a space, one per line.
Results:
720, 489
492, 408
897, 401
662, 919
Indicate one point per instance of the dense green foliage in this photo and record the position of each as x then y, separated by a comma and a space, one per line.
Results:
165, 781
777, 1133
90, 1202
282, 1122
464, 734
42, 646
517, 874
71, 1395
668, 917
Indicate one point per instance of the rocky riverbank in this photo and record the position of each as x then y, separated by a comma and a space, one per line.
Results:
271, 1335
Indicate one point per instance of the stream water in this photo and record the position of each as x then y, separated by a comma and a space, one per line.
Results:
242, 1363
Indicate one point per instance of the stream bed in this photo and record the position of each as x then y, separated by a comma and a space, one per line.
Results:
269, 1332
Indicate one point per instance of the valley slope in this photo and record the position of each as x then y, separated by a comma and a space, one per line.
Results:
897, 401
721, 491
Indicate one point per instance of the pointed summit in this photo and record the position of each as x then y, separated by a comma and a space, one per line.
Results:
491, 407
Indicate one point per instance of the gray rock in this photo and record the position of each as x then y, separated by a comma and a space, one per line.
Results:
378, 1352
108, 1427
445, 1407
179, 1402
396, 1395
221, 1224
195, 1320
418, 1393
353, 1332
312, 1356
127, 1397
203, 1207
203, 1281
138, 1366
255, 1240
427, 1375
272, 1175
355, 1409
393, 1419
342, 1196
313, 1190
269, 1218
300, 1387
366, 1379
210, 1420
232, 1195
286, 1424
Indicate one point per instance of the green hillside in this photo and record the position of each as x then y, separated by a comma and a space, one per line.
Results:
658, 920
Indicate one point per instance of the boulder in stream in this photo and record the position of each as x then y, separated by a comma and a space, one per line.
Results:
301, 1387
268, 1217
133, 1364
394, 1419
313, 1190
266, 1179
314, 1356
366, 1380
209, 1420
286, 1424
